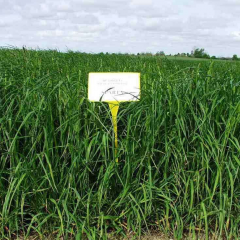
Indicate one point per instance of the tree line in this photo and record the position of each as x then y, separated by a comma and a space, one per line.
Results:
195, 53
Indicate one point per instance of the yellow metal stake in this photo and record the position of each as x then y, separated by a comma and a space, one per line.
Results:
114, 106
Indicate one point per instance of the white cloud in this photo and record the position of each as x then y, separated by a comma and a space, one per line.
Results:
9, 19
122, 25
142, 3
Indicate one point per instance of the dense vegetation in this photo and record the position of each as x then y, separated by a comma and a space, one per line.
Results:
179, 148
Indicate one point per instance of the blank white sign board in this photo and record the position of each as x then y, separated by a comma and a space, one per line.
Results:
111, 87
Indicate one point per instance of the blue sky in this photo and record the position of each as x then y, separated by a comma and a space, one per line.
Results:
122, 25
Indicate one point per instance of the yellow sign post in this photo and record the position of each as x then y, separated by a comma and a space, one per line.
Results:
114, 106
114, 88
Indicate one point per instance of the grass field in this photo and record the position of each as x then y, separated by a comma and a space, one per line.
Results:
179, 148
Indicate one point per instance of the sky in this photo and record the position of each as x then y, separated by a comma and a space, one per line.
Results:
126, 26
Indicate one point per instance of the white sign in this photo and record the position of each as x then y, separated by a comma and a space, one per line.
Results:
110, 87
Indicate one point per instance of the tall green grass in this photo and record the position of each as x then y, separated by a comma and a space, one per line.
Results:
179, 148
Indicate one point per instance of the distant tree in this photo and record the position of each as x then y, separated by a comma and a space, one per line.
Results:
161, 53
146, 54
235, 57
199, 53
205, 55
213, 57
